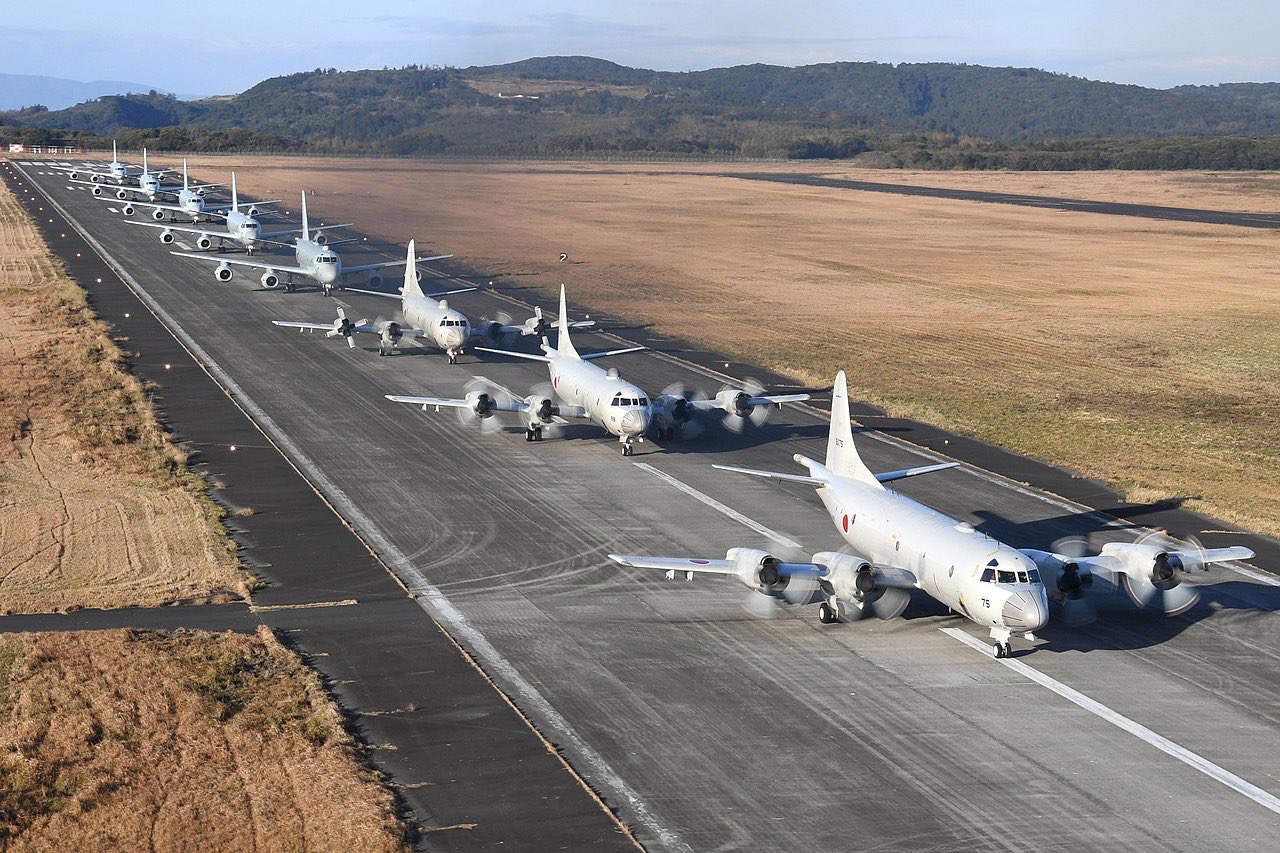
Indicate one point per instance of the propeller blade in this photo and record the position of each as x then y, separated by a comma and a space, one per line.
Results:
761, 605
1072, 546
890, 603
1078, 612
351, 341
801, 589
734, 423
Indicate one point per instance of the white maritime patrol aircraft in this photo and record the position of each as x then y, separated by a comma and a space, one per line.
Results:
148, 187
425, 316
900, 545
116, 171
190, 201
579, 389
315, 258
239, 226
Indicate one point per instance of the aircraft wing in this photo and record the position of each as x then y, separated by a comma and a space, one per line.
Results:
155, 205
329, 327
186, 229
454, 403
676, 564
773, 475
762, 400
890, 476
385, 264
243, 263
591, 356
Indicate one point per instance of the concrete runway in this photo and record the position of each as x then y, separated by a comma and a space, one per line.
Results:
1079, 205
708, 728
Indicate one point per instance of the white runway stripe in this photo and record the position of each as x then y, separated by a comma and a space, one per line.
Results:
718, 507
1160, 742
183, 246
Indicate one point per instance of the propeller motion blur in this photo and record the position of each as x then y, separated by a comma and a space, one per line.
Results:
238, 226
427, 315
899, 545
580, 389
315, 257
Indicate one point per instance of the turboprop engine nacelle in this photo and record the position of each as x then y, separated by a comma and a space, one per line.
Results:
167, 236
538, 411
480, 403
122, 194
204, 241
320, 238
127, 210
374, 280
157, 214
223, 273
254, 212
758, 570
734, 401
97, 191
270, 279
1140, 560
850, 577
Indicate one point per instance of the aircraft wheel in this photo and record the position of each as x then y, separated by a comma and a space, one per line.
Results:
1000, 650
537, 434
826, 614
627, 450
528, 435
1008, 650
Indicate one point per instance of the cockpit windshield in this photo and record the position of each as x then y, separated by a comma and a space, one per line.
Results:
994, 575
630, 401
327, 259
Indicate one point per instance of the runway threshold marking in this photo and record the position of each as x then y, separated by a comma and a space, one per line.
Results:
1160, 742
717, 506
428, 596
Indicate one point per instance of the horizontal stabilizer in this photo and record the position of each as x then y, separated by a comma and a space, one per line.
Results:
594, 355
773, 475
525, 355
890, 476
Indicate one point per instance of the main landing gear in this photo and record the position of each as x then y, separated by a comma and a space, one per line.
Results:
534, 434
827, 614
1002, 650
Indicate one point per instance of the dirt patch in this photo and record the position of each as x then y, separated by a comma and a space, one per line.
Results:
96, 506
1136, 351
143, 741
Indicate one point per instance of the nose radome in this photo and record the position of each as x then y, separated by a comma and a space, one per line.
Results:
1024, 611
634, 422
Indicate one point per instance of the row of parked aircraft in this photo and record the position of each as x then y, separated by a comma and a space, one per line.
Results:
896, 544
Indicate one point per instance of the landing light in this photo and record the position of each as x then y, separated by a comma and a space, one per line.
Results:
167, 366
126, 314
233, 448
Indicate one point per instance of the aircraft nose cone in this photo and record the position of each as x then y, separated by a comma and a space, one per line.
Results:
634, 422
1025, 611
453, 338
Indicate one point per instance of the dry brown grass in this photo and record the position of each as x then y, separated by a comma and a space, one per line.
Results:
96, 507
1137, 351
132, 740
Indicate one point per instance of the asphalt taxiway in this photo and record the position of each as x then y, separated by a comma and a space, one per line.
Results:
1079, 205
705, 727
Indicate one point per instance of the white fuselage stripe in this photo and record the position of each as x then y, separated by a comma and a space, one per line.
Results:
717, 506
1160, 742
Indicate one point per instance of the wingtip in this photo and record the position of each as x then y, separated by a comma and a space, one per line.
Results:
619, 559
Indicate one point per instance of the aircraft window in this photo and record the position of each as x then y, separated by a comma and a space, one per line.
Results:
1022, 577
1034, 575
994, 563
1006, 577
988, 575
644, 401
617, 401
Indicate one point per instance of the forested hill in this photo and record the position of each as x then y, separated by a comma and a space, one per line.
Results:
566, 105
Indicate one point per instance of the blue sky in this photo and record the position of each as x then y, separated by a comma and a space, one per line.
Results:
227, 46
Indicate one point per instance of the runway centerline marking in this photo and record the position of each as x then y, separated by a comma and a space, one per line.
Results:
1160, 742
717, 506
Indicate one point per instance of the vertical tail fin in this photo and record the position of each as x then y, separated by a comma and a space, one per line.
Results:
306, 228
563, 345
115, 158
145, 170
184, 173
842, 456
235, 199
411, 287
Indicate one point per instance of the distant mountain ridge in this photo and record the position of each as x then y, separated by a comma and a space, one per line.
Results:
57, 93
568, 104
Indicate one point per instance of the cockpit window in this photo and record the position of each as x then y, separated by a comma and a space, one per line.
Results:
1004, 576
988, 575
1022, 577
1034, 575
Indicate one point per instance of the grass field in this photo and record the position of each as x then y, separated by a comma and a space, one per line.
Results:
96, 508
129, 740
1137, 351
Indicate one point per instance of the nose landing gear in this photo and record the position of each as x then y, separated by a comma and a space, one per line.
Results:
533, 434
